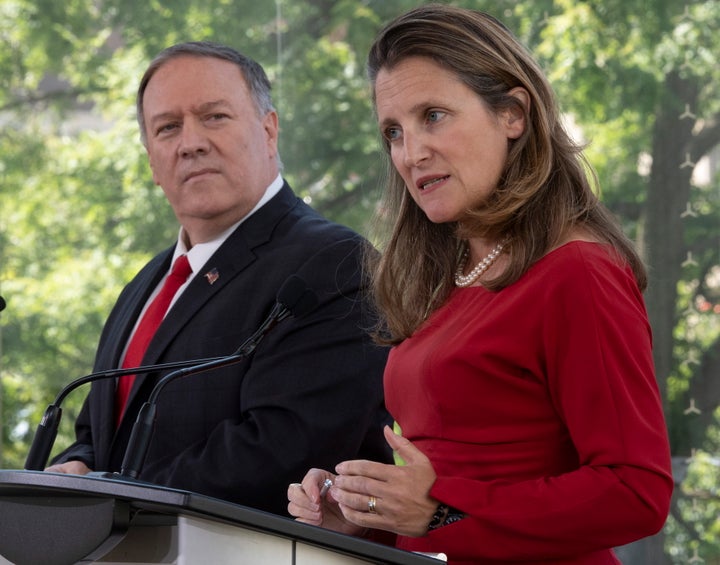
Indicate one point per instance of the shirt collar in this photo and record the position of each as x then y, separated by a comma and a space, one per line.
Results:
201, 252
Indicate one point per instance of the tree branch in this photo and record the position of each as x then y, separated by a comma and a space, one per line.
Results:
48, 97
707, 138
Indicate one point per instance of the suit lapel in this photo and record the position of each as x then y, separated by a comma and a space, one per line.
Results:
228, 262
148, 278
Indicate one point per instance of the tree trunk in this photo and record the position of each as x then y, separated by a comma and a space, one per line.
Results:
668, 198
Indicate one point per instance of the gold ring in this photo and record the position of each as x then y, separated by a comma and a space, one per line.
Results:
372, 504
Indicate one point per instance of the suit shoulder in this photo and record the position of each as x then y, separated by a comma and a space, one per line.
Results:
310, 223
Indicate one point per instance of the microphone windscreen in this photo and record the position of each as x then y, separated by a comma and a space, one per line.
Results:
2, 304
297, 297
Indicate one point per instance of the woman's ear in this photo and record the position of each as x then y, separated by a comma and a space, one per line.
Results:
516, 116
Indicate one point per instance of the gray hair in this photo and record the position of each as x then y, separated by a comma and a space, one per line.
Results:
257, 81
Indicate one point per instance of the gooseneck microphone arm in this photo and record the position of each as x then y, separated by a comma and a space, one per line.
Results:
143, 428
47, 429
277, 314
293, 299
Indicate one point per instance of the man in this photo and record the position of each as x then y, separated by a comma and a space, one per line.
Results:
311, 395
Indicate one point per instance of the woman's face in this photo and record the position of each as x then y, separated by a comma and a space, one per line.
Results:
447, 145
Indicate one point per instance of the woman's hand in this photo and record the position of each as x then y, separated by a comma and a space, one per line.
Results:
306, 504
387, 497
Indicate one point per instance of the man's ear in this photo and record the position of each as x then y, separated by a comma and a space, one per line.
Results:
271, 126
152, 165
516, 116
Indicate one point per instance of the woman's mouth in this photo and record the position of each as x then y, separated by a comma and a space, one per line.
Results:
425, 184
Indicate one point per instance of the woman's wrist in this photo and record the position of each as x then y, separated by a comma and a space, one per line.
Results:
444, 516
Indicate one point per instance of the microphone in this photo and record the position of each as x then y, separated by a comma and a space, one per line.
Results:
2, 304
294, 299
47, 429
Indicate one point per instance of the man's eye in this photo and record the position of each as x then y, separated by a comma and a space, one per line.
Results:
164, 128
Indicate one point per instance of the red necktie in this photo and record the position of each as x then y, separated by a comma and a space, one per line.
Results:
146, 329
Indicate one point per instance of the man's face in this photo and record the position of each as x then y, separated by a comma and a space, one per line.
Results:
209, 150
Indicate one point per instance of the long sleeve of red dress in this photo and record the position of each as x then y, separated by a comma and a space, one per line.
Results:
539, 410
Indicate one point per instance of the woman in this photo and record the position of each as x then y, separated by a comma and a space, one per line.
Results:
521, 373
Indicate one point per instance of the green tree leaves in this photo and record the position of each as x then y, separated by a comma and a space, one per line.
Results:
79, 213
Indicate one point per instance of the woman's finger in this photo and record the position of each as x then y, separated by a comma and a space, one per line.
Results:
312, 483
305, 514
404, 447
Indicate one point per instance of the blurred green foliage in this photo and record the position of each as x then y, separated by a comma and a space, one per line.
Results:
79, 212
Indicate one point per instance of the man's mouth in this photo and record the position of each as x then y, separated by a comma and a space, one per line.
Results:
201, 172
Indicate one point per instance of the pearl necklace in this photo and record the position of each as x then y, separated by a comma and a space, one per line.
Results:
466, 280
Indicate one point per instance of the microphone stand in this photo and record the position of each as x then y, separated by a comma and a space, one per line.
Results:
47, 429
143, 428
294, 299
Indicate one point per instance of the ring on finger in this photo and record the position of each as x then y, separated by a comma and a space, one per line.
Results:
372, 505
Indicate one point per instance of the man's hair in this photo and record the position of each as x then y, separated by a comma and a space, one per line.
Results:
257, 81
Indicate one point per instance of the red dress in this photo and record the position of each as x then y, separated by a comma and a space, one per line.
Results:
539, 410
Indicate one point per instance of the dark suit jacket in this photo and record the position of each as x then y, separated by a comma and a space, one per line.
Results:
310, 396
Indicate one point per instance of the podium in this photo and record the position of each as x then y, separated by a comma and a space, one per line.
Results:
59, 519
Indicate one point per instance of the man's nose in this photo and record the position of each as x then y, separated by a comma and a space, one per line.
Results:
193, 140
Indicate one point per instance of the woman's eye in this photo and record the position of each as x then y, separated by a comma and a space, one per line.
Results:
434, 115
392, 133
